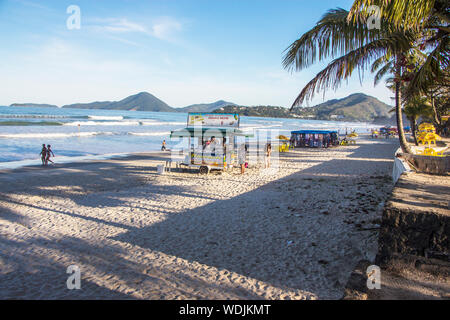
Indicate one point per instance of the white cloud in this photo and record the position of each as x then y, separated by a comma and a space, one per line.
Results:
163, 28
123, 26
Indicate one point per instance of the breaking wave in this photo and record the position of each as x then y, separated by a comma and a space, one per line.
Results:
52, 135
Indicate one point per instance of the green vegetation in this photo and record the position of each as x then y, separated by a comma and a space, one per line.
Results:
356, 107
142, 101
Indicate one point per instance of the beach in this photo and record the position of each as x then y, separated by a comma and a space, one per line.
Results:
293, 232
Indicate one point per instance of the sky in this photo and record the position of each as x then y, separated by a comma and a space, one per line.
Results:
182, 51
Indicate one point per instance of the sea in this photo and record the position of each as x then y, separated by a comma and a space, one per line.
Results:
87, 134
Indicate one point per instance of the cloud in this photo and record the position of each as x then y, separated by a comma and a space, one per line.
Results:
32, 4
123, 26
163, 28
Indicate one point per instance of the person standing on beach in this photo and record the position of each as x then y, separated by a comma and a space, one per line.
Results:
49, 153
268, 153
163, 147
43, 154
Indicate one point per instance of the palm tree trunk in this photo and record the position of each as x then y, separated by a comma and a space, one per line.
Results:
398, 108
437, 118
412, 120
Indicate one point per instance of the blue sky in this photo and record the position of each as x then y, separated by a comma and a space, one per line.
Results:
182, 51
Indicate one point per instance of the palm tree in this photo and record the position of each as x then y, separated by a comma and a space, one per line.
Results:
415, 108
430, 18
357, 47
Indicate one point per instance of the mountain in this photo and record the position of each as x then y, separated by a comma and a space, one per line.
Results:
31, 105
142, 101
92, 105
145, 101
356, 107
205, 107
258, 111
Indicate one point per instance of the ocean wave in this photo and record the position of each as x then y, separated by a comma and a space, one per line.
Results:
103, 123
162, 123
52, 135
149, 133
33, 116
105, 117
123, 123
30, 123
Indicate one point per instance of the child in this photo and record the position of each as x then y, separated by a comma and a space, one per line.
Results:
268, 152
43, 154
49, 153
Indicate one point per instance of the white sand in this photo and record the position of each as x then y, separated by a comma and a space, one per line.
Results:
295, 233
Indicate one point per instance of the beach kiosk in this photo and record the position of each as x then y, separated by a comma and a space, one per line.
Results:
314, 138
212, 141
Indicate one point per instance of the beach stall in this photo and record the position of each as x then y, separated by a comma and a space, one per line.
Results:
212, 141
314, 138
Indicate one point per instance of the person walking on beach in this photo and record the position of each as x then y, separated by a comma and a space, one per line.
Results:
268, 153
43, 154
49, 153
163, 147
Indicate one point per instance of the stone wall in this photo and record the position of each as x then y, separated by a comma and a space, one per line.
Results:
428, 164
413, 244
413, 232
416, 219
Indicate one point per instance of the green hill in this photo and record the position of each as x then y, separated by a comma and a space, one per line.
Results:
142, 101
356, 107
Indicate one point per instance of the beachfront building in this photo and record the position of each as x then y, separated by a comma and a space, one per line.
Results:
314, 138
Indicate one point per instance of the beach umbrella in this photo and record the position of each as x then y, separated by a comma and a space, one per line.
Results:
281, 137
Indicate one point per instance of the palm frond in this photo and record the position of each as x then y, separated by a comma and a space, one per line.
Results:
410, 14
382, 72
381, 61
434, 70
332, 36
343, 67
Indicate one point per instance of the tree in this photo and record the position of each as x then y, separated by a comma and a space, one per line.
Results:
415, 108
431, 19
356, 46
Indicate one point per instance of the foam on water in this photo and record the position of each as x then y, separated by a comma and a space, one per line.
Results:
51, 135
105, 117
149, 134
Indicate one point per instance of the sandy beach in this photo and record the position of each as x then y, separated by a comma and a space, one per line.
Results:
292, 233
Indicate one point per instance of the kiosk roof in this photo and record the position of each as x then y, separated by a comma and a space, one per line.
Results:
313, 131
209, 132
